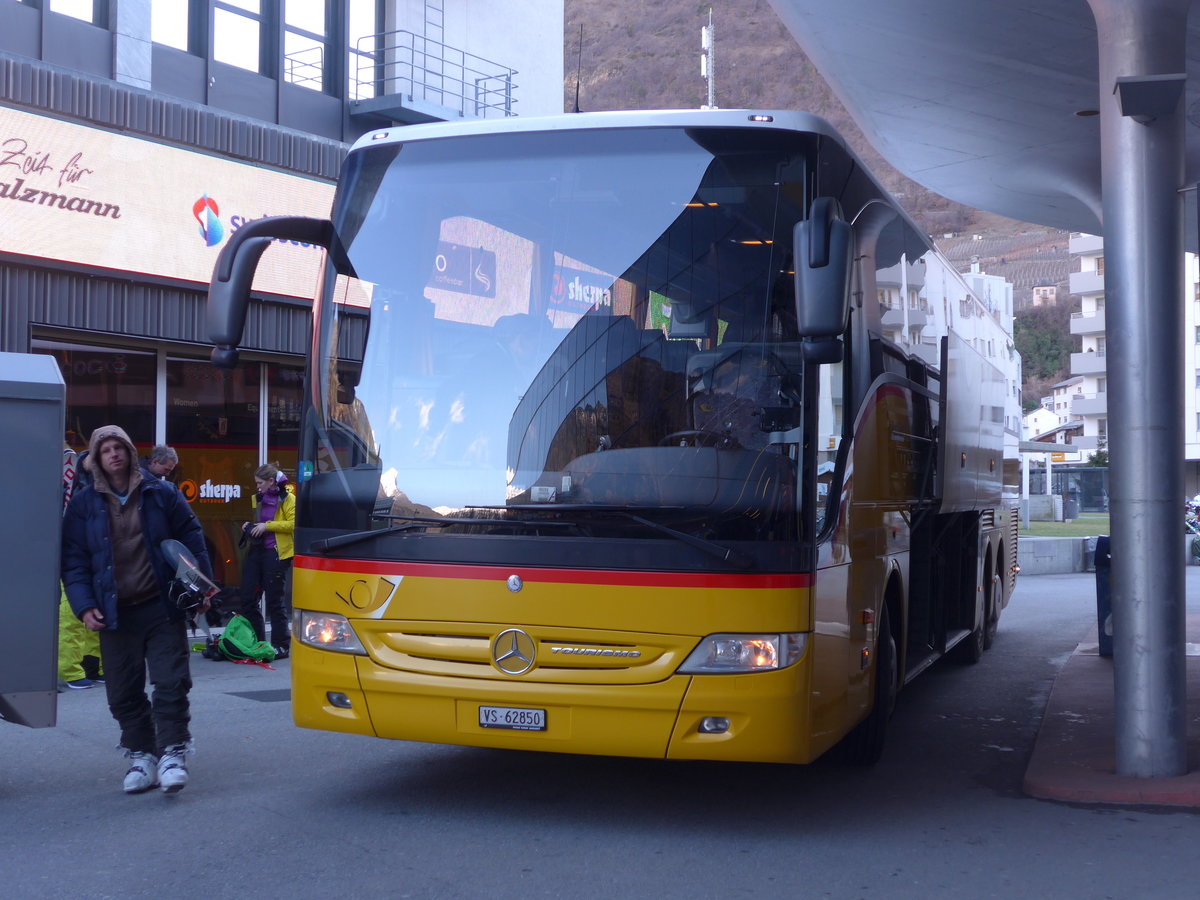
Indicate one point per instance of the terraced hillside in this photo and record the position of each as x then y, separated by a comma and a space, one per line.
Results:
1025, 258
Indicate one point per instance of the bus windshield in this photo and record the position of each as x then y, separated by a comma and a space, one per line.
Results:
591, 330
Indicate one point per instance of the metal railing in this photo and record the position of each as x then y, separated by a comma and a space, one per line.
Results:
401, 62
305, 68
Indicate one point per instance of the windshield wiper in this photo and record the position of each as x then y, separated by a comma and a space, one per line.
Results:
726, 554
414, 522
355, 537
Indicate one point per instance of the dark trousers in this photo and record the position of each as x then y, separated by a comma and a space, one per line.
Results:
146, 639
263, 571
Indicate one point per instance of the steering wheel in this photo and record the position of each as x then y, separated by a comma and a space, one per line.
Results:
698, 437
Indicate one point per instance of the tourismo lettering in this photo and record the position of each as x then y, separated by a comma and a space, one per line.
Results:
220, 492
18, 191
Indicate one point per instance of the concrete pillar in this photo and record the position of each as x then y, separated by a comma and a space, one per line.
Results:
1142, 61
129, 22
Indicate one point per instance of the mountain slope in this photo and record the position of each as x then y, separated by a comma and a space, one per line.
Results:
636, 55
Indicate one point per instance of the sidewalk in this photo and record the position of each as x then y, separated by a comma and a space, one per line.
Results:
1074, 757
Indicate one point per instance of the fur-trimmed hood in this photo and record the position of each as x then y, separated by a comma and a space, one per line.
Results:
93, 458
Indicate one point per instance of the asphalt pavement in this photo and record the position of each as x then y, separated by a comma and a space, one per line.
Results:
275, 810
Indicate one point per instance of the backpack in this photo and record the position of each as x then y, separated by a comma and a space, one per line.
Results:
239, 642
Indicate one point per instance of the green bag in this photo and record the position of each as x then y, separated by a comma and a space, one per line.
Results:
239, 642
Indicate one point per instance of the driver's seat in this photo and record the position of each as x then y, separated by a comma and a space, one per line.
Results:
728, 398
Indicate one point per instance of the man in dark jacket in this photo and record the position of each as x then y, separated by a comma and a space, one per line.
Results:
161, 462
117, 578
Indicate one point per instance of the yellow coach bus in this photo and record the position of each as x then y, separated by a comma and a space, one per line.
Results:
607, 447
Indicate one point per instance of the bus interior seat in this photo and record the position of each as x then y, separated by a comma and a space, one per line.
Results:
733, 384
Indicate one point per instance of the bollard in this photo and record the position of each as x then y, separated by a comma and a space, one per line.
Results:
1103, 601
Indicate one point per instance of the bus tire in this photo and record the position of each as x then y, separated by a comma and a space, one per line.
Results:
970, 651
994, 603
864, 745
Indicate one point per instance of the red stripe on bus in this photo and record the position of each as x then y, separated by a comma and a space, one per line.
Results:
559, 576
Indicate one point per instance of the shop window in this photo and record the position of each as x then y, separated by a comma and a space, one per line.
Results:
283, 416
105, 386
213, 423
209, 407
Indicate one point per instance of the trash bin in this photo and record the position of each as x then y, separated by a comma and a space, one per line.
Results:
1103, 600
1070, 509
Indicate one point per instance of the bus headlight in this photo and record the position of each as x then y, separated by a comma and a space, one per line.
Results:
727, 654
328, 631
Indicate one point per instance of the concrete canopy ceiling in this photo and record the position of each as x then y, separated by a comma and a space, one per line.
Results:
979, 100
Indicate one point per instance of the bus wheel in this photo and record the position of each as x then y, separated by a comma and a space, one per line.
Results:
970, 651
992, 609
864, 745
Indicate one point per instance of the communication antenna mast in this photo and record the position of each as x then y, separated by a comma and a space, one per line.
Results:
578, 68
708, 43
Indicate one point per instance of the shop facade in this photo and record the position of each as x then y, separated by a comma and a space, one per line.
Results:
115, 205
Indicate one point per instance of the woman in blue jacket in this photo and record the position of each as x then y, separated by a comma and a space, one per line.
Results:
117, 579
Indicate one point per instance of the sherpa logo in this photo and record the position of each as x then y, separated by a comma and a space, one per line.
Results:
220, 492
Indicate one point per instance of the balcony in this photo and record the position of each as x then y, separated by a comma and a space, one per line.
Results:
408, 78
928, 352
1087, 282
1085, 244
894, 318
1087, 323
1091, 363
1089, 405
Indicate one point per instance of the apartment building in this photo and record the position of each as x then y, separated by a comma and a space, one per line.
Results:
924, 300
1087, 403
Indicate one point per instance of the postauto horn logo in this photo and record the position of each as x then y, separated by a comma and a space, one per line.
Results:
209, 216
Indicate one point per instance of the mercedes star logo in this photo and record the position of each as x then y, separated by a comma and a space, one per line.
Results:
513, 651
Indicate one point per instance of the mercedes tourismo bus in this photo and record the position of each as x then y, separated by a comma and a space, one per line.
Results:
604, 448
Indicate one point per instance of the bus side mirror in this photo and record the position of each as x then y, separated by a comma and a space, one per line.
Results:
823, 250
233, 275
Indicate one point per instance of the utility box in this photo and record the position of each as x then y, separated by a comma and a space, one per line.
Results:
32, 414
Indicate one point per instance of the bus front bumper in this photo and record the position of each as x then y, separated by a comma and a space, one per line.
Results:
766, 713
